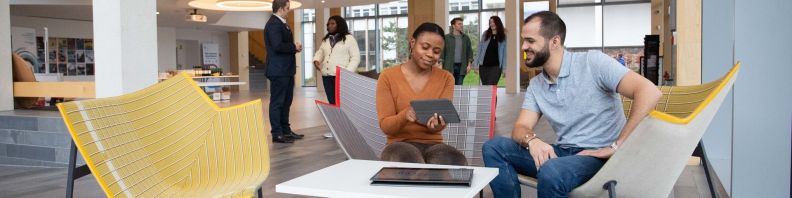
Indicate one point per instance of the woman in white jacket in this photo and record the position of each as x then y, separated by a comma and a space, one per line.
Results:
338, 49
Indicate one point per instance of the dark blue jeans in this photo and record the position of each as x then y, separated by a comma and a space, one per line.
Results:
281, 95
458, 76
556, 178
329, 87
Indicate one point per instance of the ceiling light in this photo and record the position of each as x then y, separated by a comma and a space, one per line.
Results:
243, 3
238, 5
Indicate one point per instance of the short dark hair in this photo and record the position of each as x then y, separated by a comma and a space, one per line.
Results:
552, 24
456, 19
428, 27
278, 4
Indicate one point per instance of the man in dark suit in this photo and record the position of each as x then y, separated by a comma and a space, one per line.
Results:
281, 67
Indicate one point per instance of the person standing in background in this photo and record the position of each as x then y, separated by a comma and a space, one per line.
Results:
338, 49
491, 56
281, 68
457, 52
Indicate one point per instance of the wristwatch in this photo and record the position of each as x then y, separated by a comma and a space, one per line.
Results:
614, 146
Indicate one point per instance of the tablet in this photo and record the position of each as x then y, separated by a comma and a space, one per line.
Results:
425, 109
423, 176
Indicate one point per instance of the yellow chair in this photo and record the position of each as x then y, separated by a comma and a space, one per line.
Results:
650, 161
168, 140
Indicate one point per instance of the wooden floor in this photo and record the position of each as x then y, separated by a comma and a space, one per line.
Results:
289, 161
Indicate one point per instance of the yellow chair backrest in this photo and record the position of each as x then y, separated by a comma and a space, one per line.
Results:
170, 139
679, 103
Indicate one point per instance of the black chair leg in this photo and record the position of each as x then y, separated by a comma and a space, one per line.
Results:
75, 172
260, 195
72, 164
705, 164
481, 193
610, 186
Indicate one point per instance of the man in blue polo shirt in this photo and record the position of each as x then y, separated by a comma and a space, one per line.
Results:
578, 93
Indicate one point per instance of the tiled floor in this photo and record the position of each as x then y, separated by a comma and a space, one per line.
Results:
293, 160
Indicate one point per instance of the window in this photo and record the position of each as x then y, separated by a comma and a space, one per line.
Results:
308, 29
395, 49
381, 32
615, 27
476, 18
493, 4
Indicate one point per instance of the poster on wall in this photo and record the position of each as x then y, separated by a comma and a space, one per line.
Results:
88, 44
62, 68
89, 69
71, 69
210, 54
69, 56
23, 43
81, 69
89, 56
41, 56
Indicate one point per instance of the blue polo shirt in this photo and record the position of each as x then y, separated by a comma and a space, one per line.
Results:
583, 105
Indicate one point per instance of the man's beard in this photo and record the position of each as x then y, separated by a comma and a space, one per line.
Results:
540, 58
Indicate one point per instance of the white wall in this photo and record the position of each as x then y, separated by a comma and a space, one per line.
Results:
166, 41
166, 48
752, 129
204, 36
625, 25
57, 27
584, 26
189, 53
762, 99
717, 57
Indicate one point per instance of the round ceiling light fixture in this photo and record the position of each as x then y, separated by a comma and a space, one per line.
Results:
243, 3
238, 5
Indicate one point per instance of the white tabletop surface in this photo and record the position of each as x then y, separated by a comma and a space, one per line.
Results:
197, 77
226, 76
206, 84
351, 179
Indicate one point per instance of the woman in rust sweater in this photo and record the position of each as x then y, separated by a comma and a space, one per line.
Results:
416, 79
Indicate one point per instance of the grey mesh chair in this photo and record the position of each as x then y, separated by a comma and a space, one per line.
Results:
353, 120
650, 161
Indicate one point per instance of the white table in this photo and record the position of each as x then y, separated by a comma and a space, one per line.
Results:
209, 84
205, 77
351, 179
225, 76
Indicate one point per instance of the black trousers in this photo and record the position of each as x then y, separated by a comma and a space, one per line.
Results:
281, 96
490, 75
329, 87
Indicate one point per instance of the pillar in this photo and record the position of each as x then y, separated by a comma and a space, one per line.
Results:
513, 24
688, 39
240, 62
125, 39
6, 79
421, 11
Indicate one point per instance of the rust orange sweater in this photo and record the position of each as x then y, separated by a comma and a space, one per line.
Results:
393, 98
